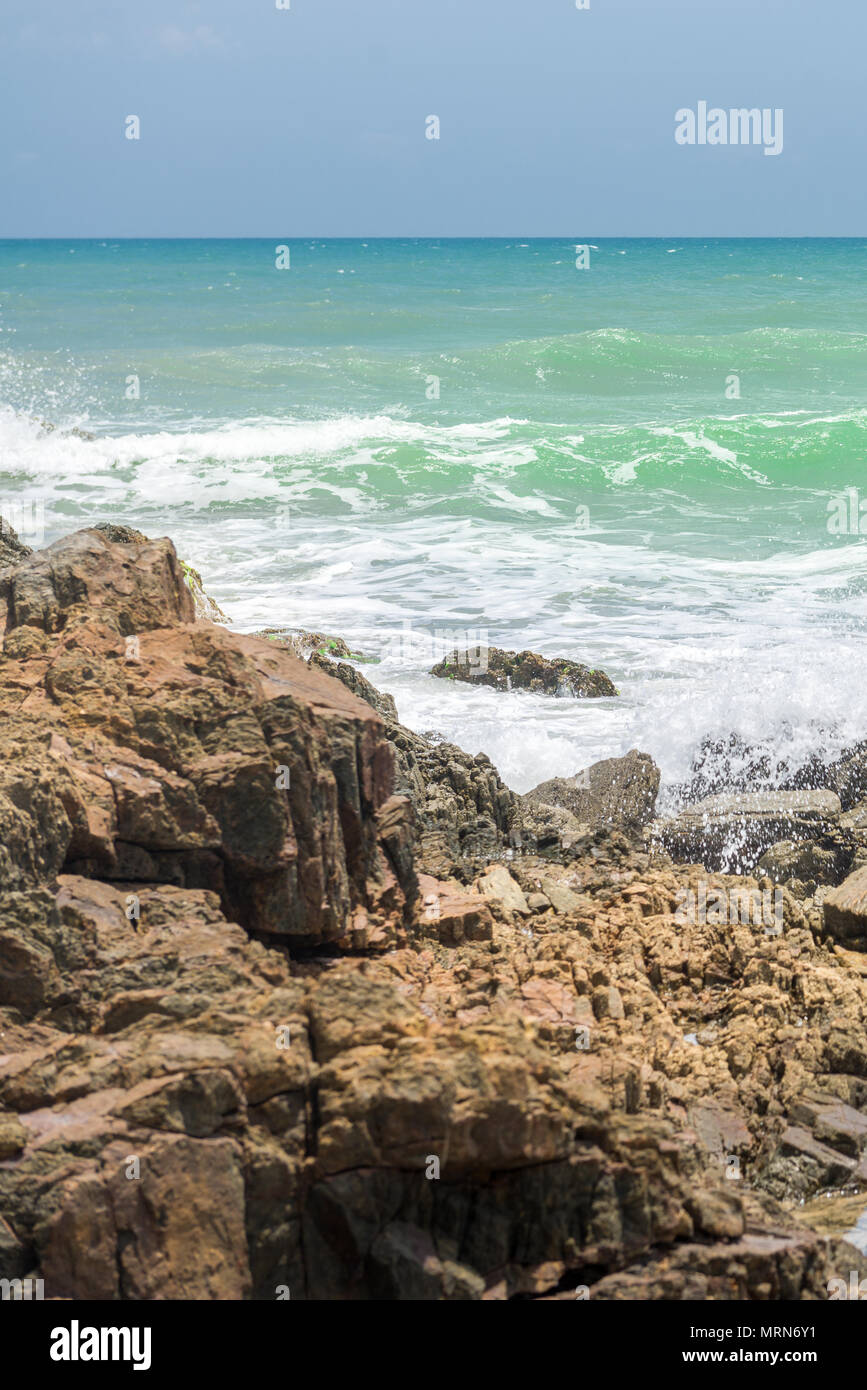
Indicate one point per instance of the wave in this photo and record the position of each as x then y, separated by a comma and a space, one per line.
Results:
790, 460
702, 577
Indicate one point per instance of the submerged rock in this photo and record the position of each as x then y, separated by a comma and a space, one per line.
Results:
503, 670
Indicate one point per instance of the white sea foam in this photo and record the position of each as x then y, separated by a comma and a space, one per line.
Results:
359, 524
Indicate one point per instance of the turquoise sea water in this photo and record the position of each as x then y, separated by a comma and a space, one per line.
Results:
406, 442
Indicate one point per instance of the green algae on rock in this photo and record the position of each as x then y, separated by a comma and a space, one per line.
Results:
504, 670
304, 644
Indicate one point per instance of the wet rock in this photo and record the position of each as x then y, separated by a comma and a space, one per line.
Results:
729, 765
206, 607
848, 776
616, 791
12, 550
305, 644
855, 821
502, 670
735, 831
358, 683
802, 862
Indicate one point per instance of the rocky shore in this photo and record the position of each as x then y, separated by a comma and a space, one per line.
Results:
296, 1001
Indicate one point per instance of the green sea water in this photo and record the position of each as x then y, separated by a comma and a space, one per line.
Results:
653, 464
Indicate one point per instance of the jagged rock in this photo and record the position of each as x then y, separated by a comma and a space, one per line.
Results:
833, 1122
763, 1266
358, 683
524, 671
451, 915
735, 831
12, 550
498, 885
305, 644
206, 607
166, 739
158, 1040
473, 1108
464, 810
616, 791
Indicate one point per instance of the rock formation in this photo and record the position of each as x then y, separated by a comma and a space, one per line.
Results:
270, 1021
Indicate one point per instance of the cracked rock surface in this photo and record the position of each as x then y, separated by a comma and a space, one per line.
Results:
260, 1032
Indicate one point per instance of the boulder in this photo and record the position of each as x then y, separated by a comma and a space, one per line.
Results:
616, 791
804, 863
497, 884
501, 670
206, 608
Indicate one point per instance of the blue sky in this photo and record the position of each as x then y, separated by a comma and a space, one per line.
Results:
311, 121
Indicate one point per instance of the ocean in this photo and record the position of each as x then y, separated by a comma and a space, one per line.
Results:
653, 464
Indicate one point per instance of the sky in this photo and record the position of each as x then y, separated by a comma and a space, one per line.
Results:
312, 120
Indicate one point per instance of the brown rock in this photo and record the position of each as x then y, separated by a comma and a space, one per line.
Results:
845, 910
503, 670
209, 760
616, 791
